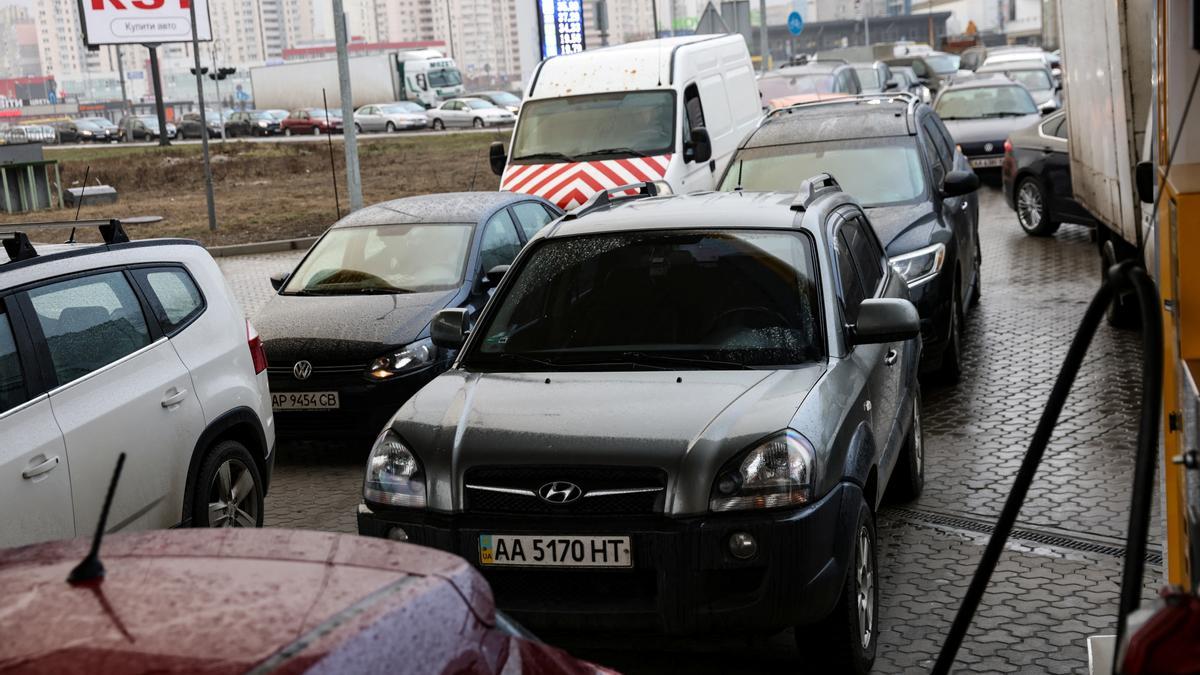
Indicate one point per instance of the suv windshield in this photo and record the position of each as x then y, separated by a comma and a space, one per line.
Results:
877, 171
384, 259
445, 77
974, 102
579, 126
679, 300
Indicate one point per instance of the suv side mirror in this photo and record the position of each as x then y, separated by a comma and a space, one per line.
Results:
1143, 175
492, 277
449, 328
891, 85
700, 146
279, 279
885, 320
960, 182
497, 157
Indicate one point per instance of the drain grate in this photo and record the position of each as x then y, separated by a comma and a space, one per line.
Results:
1153, 553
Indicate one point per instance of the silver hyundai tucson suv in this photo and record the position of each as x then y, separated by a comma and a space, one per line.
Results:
676, 413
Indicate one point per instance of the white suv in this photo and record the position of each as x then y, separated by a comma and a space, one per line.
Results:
135, 347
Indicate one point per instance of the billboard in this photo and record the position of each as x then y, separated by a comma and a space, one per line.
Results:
561, 26
119, 22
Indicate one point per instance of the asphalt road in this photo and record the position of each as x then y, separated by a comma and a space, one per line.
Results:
1055, 586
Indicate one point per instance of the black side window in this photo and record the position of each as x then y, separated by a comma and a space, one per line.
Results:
172, 294
868, 258
935, 161
945, 151
500, 243
942, 137
852, 290
692, 109
12, 384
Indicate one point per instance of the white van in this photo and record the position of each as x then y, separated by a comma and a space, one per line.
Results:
672, 109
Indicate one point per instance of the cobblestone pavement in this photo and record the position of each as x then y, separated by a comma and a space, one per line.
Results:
1044, 599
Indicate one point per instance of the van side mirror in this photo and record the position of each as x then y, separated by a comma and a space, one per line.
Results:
885, 320
449, 328
497, 157
279, 279
492, 277
960, 182
1143, 175
699, 148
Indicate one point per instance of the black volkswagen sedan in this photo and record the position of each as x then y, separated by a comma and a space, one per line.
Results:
347, 335
1037, 177
981, 112
895, 156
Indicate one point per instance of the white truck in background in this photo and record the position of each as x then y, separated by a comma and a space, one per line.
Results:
425, 76
1107, 81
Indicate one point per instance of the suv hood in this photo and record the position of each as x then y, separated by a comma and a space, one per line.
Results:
687, 423
904, 227
344, 329
988, 128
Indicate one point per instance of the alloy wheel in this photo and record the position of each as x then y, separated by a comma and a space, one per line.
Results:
1029, 205
233, 496
864, 587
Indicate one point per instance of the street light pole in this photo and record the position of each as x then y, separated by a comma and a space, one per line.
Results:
349, 136
208, 179
216, 76
121, 74
762, 34
158, 96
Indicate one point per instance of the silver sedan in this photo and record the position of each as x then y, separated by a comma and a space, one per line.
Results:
390, 117
469, 112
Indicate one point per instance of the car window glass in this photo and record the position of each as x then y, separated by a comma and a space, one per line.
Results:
935, 160
89, 322
1057, 128
532, 217
12, 385
500, 243
852, 290
945, 151
692, 109
866, 257
919, 69
173, 296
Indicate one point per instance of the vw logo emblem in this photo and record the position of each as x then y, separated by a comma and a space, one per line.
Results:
302, 370
987, 147
560, 492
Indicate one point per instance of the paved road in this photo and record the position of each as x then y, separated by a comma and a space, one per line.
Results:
1047, 596
307, 138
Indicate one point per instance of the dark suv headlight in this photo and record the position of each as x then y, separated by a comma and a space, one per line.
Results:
780, 471
394, 475
921, 265
412, 357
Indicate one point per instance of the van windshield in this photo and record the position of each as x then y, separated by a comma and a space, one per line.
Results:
609, 125
445, 77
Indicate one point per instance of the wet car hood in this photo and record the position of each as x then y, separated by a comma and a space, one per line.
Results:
904, 227
688, 423
344, 329
988, 128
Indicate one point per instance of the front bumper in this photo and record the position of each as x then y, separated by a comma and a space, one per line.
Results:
683, 580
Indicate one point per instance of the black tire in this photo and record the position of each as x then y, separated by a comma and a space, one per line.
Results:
357, 128
210, 489
951, 369
908, 480
287, 131
478, 123
1030, 203
836, 644
438, 125
390, 128
316, 130
977, 289
1123, 311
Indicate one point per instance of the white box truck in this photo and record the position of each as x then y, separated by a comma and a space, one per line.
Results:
1107, 81
425, 76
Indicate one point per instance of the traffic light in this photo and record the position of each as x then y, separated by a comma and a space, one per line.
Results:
222, 73
202, 71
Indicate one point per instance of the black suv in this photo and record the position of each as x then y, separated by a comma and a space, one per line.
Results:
895, 156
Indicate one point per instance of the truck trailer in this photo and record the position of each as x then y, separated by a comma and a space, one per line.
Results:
425, 76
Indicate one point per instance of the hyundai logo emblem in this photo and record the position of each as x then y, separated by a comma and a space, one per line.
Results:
302, 370
560, 492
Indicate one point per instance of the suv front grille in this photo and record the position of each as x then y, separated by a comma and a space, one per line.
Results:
603, 490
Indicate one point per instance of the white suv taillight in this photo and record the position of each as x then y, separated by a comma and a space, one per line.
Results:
258, 355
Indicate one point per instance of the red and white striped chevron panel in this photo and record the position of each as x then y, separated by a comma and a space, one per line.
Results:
569, 184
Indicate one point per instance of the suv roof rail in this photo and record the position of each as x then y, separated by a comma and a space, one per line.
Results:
17, 245
606, 196
907, 97
812, 188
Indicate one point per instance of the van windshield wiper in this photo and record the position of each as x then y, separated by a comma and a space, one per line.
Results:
546, 155
1006, 113
615, 151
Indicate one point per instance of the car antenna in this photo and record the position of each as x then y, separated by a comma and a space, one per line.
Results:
91, 569
738, 187
79, 200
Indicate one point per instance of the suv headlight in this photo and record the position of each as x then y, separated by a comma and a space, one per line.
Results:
921, 265
263, 123
394, 475
413, 357
780, 471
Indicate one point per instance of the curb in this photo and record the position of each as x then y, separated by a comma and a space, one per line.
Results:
276, 246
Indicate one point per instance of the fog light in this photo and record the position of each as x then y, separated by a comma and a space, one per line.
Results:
742, 545
397, 534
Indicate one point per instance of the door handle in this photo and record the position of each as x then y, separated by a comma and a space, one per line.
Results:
46, 466
962, 206
174, 399
891, 357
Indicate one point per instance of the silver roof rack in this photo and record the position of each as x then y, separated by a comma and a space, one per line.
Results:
18, 247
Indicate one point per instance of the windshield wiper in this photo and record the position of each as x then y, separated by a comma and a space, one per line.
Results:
1006, 113
648, 358
546, 155
378, 290
615, 151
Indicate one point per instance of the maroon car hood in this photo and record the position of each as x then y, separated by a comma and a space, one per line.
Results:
228, 600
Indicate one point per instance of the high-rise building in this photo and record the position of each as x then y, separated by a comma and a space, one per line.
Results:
18, 43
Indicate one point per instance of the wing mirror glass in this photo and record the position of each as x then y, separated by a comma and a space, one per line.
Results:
699, 148
449, 328
960, 182
279, 279
497, 157
492, 277
885, 320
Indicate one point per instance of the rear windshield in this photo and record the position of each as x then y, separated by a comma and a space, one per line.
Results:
781, 86
975, 102
677, 300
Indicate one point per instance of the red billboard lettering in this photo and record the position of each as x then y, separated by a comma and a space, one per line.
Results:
140, 4
147, 4
99, 4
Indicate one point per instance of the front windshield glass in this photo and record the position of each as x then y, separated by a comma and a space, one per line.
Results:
262, 115
1034, 80
150, 121
401, 108
677, 300
504, 98
85, 125
868, 78
577, 127
976, 102
384, 259
942, 64
445, 77
479, 104
319, 113
278, 114
875, 171
781, 86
